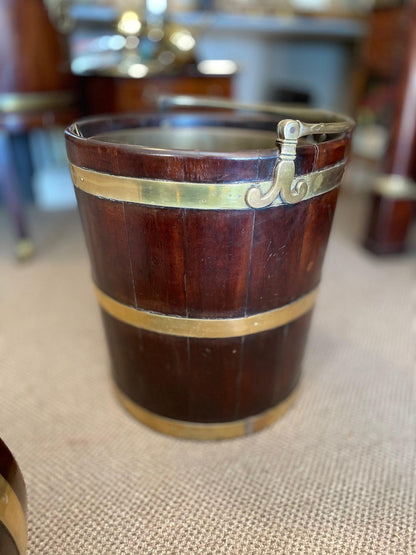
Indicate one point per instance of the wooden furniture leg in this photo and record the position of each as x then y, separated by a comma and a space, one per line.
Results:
10, 193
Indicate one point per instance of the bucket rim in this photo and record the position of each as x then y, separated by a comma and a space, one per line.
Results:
81, 131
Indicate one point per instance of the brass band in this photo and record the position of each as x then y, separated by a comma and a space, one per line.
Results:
12, 515
209, 328
203, 196
34, 101
202, 431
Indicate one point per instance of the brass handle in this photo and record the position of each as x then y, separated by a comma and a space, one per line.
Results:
289, 132
291, 190
332, 122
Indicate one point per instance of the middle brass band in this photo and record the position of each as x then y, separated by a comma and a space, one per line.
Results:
211, 328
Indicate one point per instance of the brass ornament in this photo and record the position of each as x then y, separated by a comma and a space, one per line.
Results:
288, 132
291, 190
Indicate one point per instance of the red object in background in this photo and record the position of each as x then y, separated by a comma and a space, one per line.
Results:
112, 95
392, 215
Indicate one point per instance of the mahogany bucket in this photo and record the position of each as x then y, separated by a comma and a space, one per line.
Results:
13, 518
206, 232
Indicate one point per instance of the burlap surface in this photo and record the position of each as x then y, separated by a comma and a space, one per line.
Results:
335, 475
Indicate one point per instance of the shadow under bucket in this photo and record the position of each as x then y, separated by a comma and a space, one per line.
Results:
206, 243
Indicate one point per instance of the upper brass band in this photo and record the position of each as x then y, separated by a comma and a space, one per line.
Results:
283, 187
12, 515
209, 328
182, 194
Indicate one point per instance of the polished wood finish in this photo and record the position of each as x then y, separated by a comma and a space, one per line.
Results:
206, 431
268, 260
10, 471
109, 254
192, 166
155, 237
204, 264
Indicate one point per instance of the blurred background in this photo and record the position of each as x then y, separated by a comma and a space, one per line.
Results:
63, 59
337, 474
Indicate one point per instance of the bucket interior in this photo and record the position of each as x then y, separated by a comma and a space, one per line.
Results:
190, 132
204, 138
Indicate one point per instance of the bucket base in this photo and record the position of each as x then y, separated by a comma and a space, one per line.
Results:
202, 431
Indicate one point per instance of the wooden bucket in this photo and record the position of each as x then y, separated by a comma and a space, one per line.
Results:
206, 244
13, 519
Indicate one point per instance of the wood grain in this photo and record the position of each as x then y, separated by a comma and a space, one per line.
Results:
107, 242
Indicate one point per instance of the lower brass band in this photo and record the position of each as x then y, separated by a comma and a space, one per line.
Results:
207, 327
203, 431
